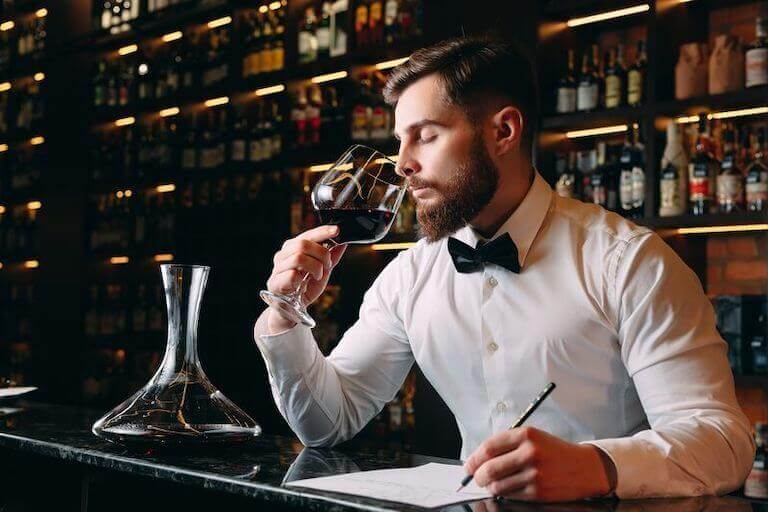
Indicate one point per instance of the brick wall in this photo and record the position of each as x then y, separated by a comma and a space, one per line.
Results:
738, 265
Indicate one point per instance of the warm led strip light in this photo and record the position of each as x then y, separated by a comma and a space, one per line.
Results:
275, 5
31, 264
319, 79
273, 89
596, 131
173, 36
346, 167
39, 77
391, 63
6, 25
724, 115
721, 229
398, 246
36, 141
41, 13
3, 148
168, 112
34, 205
163, 257
125, 121
220, 22
127, 50
170, 187
594, 18
213, 102
263, 9
2, 209
5, 86
119, 260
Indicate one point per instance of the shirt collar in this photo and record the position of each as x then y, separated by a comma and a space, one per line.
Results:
524, 223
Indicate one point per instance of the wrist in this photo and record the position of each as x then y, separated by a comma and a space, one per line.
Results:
605, 471
276, 323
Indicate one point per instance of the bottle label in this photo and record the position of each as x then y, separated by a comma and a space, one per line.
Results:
757, 186
634, 87
390, 13
699, 178
374, 18
756, 485
612, 91
626, 192
188, 158
670, 189
305, 43
238, 150
323, 38
566, 100
756, 64
729, 188
587, 96
638, 187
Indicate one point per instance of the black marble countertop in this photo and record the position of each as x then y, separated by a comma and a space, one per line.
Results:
260, 469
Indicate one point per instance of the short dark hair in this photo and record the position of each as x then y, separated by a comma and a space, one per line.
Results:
473, 70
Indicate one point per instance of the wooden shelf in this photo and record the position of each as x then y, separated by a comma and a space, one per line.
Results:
744, 98
595, 119
715, 219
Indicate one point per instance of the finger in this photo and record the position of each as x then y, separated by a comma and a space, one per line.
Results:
302, 262
527, 493
320, 233
285, 282
503, 466
512, 483
336, 254
495, 445
302, 246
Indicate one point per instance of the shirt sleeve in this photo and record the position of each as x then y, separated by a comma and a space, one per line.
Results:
699, 441
327, 400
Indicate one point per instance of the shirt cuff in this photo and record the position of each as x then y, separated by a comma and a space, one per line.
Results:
288, 353
638, 473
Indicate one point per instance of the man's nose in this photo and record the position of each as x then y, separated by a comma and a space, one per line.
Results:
406, 165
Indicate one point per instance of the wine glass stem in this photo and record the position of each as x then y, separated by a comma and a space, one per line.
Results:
299, 291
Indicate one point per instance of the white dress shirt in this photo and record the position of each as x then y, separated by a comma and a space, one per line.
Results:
602, 307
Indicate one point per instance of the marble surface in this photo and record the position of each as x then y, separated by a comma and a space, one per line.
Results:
261, 468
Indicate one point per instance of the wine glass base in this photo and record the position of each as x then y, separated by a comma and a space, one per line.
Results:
288, 307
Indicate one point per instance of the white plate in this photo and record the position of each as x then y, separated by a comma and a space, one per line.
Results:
9, 392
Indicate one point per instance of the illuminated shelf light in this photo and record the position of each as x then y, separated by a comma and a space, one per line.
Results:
214, 102
169, 187
3, 148
398, 246
391, 63
31, 264
2, 209
687, 119
721, 229
36, 141
5, 86
220, 22
119, 194
739, 113
34, 205
119, 260
172, 36
39, 77
125, 121
128, 193
319, 79
6, 25
1, 264
609, 15
275, 5
168, 112
263, 9
41, 13
163, 257
272, 89
127, 50
596, 131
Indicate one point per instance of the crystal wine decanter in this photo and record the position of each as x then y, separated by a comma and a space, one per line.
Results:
179, 405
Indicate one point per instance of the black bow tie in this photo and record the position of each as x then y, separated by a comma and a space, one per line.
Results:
501, 250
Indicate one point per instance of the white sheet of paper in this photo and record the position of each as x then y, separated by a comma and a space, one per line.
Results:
430, 485
9, 392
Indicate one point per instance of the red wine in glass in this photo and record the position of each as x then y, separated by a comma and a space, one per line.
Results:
357, 226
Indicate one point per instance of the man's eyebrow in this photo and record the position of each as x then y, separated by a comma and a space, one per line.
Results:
419, 124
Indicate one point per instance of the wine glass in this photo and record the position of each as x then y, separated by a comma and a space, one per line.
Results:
360, 193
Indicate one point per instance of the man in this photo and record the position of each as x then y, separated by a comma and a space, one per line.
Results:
645, 402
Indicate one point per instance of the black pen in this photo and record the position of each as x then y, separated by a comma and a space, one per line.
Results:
524, 416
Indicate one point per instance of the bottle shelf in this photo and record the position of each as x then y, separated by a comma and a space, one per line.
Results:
713, 220
594, 119
744, 98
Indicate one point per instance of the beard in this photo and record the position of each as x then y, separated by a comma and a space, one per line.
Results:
468, 190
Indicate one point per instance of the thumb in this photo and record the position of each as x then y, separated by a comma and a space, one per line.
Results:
336, 253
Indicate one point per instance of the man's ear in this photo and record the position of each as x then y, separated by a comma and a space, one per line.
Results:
507, 125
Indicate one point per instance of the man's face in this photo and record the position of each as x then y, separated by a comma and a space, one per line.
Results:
452, 176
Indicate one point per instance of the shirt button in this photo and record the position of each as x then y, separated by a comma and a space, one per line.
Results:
492, 282
501, 407
493, 347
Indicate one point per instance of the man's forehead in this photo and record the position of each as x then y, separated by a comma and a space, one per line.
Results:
422, 100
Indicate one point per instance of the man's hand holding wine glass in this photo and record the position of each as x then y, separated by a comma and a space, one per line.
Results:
297, 257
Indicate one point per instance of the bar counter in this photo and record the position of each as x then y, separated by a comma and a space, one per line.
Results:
50, 458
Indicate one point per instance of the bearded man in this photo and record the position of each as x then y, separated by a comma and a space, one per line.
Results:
509, 288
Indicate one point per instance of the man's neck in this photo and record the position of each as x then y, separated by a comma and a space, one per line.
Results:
503, 204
